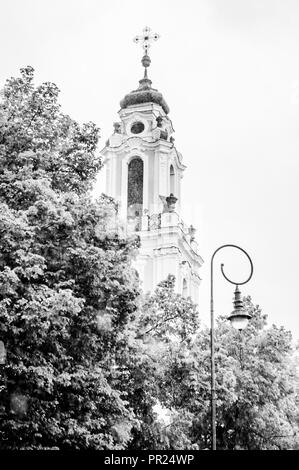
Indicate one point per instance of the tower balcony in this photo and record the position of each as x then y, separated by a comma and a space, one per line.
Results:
163, 224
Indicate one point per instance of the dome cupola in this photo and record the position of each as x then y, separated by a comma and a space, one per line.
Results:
145, 93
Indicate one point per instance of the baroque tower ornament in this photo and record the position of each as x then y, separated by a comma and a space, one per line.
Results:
143, 173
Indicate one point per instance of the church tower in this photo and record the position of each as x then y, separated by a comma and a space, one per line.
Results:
143, 173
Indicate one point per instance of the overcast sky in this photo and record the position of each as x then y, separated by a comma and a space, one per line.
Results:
229, 71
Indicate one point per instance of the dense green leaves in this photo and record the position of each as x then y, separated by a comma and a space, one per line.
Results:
66, 286
255, 384
39, 144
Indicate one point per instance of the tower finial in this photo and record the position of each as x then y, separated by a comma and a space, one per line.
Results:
146, 40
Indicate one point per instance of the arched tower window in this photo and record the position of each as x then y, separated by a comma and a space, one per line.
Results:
185, 288
171, 176
135, 191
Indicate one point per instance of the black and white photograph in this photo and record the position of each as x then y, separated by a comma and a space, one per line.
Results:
149, 228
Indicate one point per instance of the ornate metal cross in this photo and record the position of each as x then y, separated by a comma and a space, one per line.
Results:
146, 38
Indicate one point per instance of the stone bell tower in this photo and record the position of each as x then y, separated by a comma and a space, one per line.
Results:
143, 173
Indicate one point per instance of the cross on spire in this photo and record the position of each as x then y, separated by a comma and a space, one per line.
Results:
146, 39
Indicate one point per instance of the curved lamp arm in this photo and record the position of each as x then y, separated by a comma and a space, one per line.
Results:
251, 268
222, 265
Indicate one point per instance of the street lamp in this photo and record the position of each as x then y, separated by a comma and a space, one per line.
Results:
238, 318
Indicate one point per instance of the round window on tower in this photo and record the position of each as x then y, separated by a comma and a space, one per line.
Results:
137, 127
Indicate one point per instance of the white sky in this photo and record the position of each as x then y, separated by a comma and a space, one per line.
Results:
229, 70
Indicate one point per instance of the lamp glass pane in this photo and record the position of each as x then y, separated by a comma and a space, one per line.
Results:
239, 322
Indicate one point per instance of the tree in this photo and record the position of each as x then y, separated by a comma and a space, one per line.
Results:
255, 382
165, 327
67, 289
36, 137
260, 410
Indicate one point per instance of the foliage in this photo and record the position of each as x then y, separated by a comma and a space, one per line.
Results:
261, 413
67, 290
168, 315
166, 325
37, 139
255, 381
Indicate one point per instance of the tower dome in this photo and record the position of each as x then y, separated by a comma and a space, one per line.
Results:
144, 93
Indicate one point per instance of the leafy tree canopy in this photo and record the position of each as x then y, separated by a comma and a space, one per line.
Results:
256, 387
37, 139
67, 288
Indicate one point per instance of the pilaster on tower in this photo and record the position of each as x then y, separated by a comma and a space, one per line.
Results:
143, 173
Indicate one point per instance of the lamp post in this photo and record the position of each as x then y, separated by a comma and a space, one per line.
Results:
239, 319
